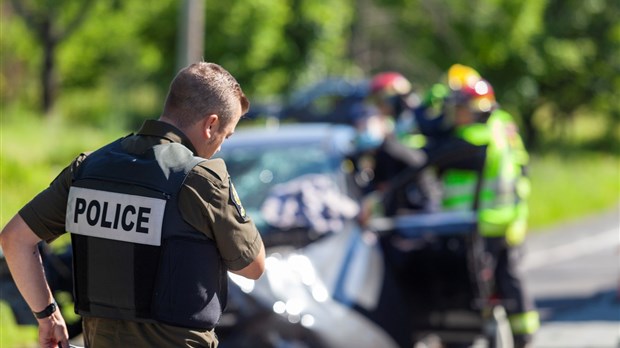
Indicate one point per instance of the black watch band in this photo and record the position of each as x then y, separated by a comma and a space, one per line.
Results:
49, 310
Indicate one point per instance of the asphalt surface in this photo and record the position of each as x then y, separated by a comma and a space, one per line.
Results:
573, 273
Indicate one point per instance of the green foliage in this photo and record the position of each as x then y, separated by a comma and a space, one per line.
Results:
120, 81
13, 336
119, 63
560, 55
123, 45
554, 55
20, 57
274, 46
33, 152
587, 131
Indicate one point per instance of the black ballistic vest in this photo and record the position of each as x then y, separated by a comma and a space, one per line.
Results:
130, 262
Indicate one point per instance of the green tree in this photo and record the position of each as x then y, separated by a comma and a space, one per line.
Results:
552, 54
123, 56
556, 56
51, 22
274, 46
579, 62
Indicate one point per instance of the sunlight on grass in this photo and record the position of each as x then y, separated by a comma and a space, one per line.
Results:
33, 152
13, 336
567, 188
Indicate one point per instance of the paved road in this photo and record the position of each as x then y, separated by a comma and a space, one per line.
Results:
573, 272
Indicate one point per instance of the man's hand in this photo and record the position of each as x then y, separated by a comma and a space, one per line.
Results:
19, 244
53, 331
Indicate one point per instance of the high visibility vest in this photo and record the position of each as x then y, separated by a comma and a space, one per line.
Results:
503, 190
526, 323
135, 258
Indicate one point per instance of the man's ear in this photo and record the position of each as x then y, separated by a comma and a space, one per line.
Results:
210, 125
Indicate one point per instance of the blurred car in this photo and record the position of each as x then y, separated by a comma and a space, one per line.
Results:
262, 160
332, 100
261, 109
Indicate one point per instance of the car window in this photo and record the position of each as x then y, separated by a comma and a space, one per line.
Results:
256, 169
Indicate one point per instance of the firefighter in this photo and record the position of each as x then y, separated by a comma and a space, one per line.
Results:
481, 162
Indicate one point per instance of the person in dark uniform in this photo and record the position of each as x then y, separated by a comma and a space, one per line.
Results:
155, 226
389, 141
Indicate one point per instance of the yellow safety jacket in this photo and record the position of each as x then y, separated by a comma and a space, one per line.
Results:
504, 189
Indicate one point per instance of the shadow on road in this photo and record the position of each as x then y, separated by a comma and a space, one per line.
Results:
602, 306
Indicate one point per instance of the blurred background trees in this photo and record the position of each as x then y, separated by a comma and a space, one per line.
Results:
109, 62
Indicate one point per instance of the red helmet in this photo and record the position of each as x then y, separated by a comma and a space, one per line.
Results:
389, 84
478, 96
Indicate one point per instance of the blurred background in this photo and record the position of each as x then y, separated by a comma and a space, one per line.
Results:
76, 74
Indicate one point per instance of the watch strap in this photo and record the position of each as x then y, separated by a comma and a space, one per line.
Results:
49, 310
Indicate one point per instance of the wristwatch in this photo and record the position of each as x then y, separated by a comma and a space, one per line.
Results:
49, 310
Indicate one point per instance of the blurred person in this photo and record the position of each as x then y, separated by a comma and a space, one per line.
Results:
428, 114
388, 145
481, 162
154, 227
392, 95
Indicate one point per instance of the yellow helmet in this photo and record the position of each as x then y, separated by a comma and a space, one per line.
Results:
460, 76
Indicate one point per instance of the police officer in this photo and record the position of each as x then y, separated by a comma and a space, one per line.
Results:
482, 162
155, 226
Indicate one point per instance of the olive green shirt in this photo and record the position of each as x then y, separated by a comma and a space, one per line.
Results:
205, 202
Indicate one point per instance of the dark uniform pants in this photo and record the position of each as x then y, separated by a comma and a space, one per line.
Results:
511, 288
106, 333
508, 275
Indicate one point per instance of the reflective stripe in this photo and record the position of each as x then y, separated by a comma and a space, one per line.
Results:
477, 133
517, 230
415, 141
524, 187
503, 199
524, 323
460, 186
500, 215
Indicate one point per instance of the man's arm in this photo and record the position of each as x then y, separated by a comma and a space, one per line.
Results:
19, 245
212, 206
255, 269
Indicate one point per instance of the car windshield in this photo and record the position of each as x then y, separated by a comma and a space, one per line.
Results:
256, 168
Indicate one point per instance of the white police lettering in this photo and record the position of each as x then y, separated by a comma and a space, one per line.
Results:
118, 216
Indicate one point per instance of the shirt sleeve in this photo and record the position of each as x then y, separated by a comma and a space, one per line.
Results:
45, 213
209, 203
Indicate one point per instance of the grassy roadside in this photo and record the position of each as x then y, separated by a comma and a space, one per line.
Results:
33, 152
566, 188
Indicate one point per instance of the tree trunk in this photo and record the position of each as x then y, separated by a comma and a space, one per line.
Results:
191, 33
530, 133
48, 84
